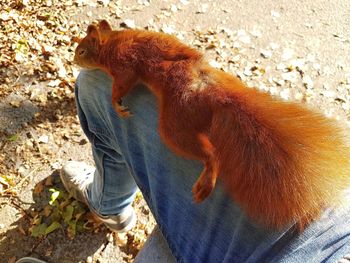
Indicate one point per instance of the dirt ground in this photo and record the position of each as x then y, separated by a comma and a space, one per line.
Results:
299, 52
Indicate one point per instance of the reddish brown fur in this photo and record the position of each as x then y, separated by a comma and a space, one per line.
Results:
279, 161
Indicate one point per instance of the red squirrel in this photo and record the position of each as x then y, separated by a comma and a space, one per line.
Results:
281, 162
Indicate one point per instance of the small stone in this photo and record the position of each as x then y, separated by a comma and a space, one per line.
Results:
329, 93
22, 171
307, 81
273, 90
290, 76
236, 45
266, 53
345, 106
275, 14
4, 16
128, 23
43, 139
250, 84
240, 75
285, 94
256, 32
110, 237
168, 29
173, 8
311, 57
326, 86
298, 96
15, 103
55, 165
316, 66
215, 64
274, 45
281, 66
54, 83
243, 36
247, 71
104, 2
297, 63
287, 54
202, 9
263, 87
279, 82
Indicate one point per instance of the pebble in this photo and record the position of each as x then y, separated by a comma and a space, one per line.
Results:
243, 36
345, 106
266, 53
281, 67
273, 90
329, 93
256, 32
168, 29
184, 2
215, 64
285, 94
291, 76
128, 23
43, 139
247, 71
275, 14
298, 96
297, 63
274, 46
307, 81
287, 54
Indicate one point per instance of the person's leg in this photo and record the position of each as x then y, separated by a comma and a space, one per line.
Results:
216, 230
113, 188
108, 189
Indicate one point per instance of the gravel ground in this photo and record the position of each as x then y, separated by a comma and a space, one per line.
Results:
299, 52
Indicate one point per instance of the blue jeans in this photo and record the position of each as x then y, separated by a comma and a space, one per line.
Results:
129, 153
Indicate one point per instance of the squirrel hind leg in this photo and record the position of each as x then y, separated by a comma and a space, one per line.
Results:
205, 183
207, 180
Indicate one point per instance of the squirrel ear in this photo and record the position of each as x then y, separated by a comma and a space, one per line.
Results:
104, 26
93, 32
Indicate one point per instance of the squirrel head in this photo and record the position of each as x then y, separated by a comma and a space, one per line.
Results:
88, 51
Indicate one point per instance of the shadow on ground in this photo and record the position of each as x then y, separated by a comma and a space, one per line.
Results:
16, 112
17, 241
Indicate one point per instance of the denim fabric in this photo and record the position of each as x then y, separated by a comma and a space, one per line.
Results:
130, 150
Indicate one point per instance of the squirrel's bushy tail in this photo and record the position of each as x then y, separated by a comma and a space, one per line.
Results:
279, 161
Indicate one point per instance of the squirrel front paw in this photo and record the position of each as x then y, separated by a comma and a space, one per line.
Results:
122, 111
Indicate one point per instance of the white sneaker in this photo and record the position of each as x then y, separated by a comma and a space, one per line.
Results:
76, 176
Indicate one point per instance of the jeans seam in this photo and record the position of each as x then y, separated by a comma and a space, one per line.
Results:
103, 184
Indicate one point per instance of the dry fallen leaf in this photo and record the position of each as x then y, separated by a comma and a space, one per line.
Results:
39, 187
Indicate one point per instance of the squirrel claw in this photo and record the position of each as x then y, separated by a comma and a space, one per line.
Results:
202, 189
122, 111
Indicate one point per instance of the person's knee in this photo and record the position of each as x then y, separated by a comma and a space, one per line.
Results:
93, 83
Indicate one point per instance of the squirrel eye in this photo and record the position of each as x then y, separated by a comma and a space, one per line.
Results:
81, 52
